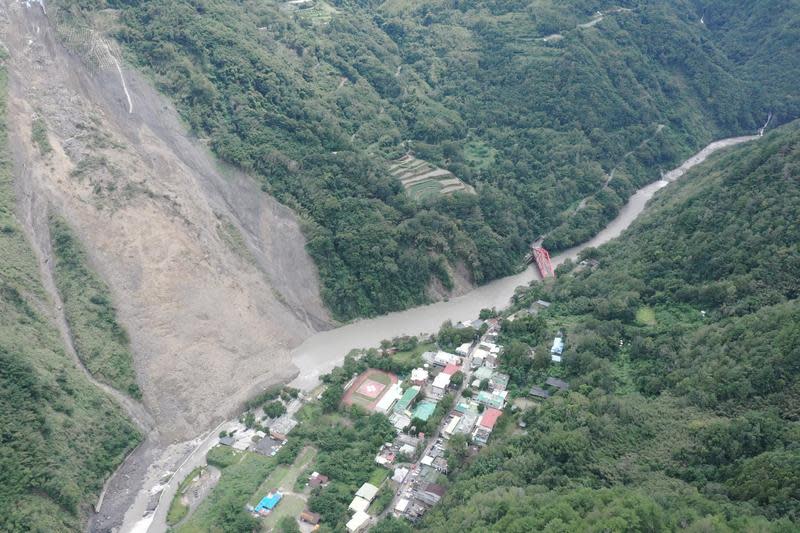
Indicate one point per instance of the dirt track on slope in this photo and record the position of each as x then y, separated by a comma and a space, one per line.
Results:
209, 275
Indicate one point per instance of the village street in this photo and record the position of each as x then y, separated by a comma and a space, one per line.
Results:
406, 488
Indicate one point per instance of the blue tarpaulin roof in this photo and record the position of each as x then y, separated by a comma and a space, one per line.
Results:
269, 501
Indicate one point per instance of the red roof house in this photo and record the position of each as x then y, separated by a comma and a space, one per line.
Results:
489, 418
451, 369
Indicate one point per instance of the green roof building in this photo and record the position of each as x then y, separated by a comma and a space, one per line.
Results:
491, 399
404, 402
424, 410
483, 373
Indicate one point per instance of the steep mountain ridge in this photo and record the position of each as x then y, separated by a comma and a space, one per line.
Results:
315, 106
208, 274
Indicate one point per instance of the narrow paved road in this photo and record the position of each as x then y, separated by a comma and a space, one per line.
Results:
407, 484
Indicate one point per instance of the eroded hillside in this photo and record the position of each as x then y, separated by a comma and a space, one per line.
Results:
208, 274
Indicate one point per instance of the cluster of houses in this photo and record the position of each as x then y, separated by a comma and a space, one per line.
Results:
268, 442
414, 462
363, 499
473, 415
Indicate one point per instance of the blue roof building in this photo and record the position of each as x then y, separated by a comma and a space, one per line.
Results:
269, 501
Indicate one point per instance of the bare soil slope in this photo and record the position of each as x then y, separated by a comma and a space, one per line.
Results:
209, 275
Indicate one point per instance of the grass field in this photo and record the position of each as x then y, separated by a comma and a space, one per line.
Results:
378, 476
290, 505
414, 356
479, 154
284, 478
646, 316
242, 474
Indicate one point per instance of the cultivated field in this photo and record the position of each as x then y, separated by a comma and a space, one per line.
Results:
424, 180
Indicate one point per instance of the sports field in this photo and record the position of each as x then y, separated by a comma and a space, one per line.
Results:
368, 388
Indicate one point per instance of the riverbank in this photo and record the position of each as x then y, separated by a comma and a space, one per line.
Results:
321, 352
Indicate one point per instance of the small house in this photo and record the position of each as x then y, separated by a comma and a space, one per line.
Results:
368, 491
451, 369
419, 376
440, 384
424, 410
432, 494
558, 347
269, 502
317, 480
496, 399
538, 392
310, 518
444, 359
498, 382
407, 450
557, 383
483, 373
463, 350
451, 427
401, 506
400, 474
485, 425
359, 504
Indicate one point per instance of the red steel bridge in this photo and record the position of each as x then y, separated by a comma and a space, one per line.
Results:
542, 258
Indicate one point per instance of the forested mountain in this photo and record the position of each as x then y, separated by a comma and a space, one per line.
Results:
683, 356
60, 436
537, 105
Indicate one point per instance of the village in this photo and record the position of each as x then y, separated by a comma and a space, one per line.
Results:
447, 405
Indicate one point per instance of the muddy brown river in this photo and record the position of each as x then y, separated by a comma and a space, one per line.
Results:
320, 353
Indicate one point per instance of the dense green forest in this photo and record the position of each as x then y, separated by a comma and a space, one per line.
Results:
683, 356
60, 436
316, 102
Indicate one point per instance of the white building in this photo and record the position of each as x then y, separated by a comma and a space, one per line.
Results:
402, 505
407, 449
440, 384
359, 504
386, 402
419, 376
358, 523
368, 491
463, 350
444, 359
451, 427
400, 474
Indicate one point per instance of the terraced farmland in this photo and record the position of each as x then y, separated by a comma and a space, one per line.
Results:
424, 180
316, 11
